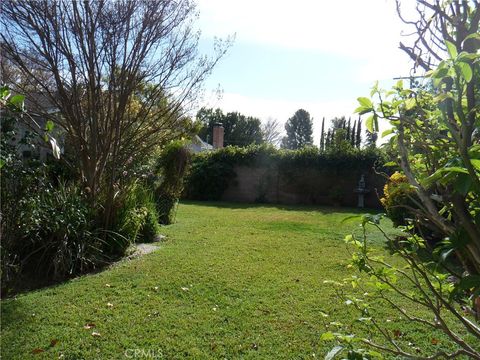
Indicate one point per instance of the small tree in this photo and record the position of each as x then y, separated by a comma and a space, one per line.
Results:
123, 74
299, 131
434, 130
271, 132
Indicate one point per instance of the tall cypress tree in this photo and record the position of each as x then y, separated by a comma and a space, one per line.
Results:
322, 136
359, 133
349, 130
353, 135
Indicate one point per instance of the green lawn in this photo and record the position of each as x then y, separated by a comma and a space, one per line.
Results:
231, 281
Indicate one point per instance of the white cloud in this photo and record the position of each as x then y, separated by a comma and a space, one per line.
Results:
354, 28
367, 31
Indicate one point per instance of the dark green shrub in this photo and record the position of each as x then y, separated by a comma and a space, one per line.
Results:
57, 232
211, 172
151, 227
208, 179
171, 167
136, 219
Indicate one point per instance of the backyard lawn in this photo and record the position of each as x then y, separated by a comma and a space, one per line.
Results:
230, 281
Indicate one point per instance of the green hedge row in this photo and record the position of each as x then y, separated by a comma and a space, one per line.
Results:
211, 172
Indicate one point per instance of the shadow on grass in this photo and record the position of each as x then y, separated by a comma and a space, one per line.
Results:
322, 209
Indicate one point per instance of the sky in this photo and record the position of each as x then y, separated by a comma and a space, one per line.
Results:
319, 55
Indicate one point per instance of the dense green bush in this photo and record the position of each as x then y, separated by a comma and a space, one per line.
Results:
171, 168
47, 231
57, 235
136, 217
211, 172
47, 228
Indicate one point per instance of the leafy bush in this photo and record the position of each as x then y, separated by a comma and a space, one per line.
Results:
435, 135
171, 167
136, 219
57, 232
208, 179
46, 225
397, 198
211, 172
151, 227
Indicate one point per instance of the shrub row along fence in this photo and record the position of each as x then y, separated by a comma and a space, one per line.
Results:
268, 175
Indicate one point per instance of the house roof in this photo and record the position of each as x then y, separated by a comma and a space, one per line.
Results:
198, 145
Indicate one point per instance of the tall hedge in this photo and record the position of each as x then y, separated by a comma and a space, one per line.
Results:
211, 172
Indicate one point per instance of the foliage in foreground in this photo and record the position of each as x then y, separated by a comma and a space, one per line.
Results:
435, 134
437, 303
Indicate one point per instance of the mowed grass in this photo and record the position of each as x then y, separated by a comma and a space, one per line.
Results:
231, 281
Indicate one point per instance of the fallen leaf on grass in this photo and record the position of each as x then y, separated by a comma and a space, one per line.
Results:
397, 333
53, 342
110, 305
185, 288
96, 334
89, 326
434, 341
37, 351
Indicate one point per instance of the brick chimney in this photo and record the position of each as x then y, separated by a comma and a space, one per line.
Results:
218, 132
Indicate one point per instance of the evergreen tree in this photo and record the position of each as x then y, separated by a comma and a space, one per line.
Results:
240, 130
353, 134
359, 133
371, 139
322, 136
349, 130
299, 131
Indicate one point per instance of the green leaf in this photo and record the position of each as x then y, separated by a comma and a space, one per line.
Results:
443, 96
437, 175
366, 102
17, 101
390, 163
2, 163
387, 132
466, 71
410, 103
454, 169
374, 88
352, 217
327, 336
332, 353
362, 110
475, 163
452, 49
463, 184
372, 123
4, 92
49, 126
465, 57
473, 36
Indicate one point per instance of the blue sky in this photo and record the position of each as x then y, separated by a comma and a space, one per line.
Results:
319, 55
